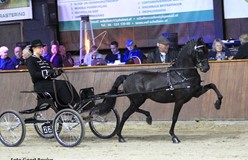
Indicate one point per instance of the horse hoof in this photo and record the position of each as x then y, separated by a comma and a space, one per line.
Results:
217, 104
122, 140
175, 140
149, 120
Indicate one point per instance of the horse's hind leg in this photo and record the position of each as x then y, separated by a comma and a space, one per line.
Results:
205, 88
147, 114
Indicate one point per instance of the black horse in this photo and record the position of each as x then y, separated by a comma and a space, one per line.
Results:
179, 84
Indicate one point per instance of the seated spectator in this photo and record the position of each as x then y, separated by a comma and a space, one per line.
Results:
56, 58
115, 53
93, 56
45, 54
219, 51
26, 53
68, 61
163, 52
5, 61
16, 60
243, 49
132, 52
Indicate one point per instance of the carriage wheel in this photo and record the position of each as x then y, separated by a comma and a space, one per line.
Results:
12, 128
68, 128
104, 126
44, 125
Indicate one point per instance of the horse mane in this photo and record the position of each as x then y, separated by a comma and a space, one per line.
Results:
187, 47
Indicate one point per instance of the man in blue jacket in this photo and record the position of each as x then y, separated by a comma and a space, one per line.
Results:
132, 52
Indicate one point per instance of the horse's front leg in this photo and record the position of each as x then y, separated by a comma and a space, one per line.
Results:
205, 88
177, 109
218, 102
125, 116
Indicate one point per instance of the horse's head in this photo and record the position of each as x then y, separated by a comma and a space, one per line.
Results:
193, 54
201, 55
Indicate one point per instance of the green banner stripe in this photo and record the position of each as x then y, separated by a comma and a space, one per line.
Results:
159, 19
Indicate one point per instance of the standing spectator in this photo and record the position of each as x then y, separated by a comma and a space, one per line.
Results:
219, 51
132, 52
5, 61
115, 53
163, 52
56, 58
45, 54
243, 49
16, 60
68, 61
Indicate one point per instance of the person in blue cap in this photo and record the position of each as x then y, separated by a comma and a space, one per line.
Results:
132, 53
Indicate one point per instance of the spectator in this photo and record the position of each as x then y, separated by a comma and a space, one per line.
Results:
115, 53
243, 49
26, 53
16, 60
68, 61
132, 52
219, 51
91, 57
45, 54
56, 58
163, 52
5, 61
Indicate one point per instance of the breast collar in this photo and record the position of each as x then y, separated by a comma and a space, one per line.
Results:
183, 78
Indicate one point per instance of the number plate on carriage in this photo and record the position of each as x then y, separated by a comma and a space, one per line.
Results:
47, 128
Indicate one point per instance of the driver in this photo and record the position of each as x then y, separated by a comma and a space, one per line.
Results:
42, 75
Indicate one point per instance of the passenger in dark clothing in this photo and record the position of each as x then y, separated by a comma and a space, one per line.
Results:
243, 49
42, 75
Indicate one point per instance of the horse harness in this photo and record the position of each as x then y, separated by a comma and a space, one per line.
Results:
183, 78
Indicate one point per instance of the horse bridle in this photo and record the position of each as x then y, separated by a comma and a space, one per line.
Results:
198, 60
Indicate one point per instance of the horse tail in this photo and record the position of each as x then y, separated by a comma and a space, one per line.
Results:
109, 102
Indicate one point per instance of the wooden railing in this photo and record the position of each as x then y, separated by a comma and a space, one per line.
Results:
229, 76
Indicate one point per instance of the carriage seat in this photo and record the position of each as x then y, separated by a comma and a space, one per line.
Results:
87, 98
46, 98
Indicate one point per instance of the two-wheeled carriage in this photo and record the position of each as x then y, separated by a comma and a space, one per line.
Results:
66, 125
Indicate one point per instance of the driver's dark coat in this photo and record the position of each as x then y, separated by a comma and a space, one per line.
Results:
36, 67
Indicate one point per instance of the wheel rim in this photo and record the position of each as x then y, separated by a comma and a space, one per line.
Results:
12, 129
68, 128
104, 126
46, 119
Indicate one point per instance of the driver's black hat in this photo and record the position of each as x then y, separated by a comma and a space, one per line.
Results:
37, 43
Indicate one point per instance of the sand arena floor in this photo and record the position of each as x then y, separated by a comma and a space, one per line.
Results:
204, 140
